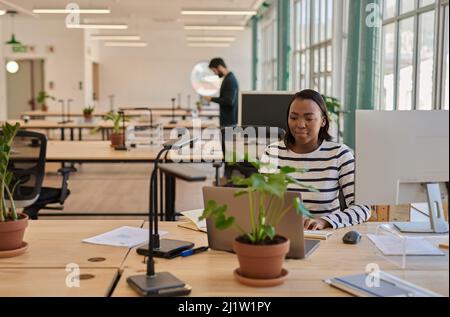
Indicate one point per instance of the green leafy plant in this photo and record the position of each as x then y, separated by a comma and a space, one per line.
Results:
43, 96
88, 111
116, 118
266, 194
333, 105
7, 187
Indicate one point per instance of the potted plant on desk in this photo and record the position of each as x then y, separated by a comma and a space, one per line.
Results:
88, 113
42, 98
261, 251
117, 136
12, 224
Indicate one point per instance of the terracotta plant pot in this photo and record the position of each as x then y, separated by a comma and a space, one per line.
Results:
261, 261
116, 139
12, 232
44, 108
88, 118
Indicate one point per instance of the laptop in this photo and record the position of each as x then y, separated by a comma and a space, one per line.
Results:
290, 227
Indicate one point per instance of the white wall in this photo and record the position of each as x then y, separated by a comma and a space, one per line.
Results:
154, 75
91, 55
64, 67
2, 79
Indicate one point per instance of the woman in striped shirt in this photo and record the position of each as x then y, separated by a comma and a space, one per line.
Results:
329, 165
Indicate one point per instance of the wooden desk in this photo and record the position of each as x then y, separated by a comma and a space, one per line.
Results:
54, 244
159, 111
52, 283
211, 273
102, 152
102, 126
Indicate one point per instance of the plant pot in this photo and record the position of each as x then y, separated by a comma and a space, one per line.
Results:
116, 139
44, 107
12, 232
88, 118
261, 261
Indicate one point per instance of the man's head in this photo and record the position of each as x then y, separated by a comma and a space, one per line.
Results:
218, 66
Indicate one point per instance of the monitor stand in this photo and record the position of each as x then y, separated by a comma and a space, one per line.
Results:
437, 222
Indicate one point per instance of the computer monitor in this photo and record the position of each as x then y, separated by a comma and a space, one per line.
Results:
267, 109
402, 157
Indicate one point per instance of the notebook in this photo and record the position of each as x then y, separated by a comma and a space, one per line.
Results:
194, 223
363, 285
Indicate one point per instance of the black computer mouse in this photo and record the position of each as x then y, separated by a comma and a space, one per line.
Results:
352, 237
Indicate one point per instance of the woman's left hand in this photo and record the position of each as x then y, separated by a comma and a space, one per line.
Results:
315, 224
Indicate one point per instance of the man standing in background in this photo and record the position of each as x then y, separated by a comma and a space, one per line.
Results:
229, 91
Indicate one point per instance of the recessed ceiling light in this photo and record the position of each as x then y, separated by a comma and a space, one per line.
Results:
217, 12
126, 44
208, 44
98, 26
214, 27
211, 39
112, 37
68, 11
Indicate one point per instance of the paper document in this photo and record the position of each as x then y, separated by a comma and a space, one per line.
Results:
390, 245
123, 237
194, 224
318, 234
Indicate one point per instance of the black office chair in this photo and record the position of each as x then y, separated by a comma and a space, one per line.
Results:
235, 138
27, 163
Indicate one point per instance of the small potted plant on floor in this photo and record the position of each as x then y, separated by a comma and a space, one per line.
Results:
88, 113
261, 251
42, 98
12, 224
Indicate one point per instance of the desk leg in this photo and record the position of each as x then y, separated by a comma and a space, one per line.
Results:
63, 137
72, 137
170, 198
80, 134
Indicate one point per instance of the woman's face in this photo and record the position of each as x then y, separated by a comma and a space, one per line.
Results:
305, 121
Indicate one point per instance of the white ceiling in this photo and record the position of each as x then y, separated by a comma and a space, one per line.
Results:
141, 14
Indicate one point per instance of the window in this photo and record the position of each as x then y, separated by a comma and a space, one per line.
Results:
312, 55
445, 87
269, 44
409, 54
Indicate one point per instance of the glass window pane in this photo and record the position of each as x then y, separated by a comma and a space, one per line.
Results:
424, 3
388, 66
329, 59
389, 8
308, 22
426, 61
407, 6
446, 65
323, 59
406, 64
316, 26
316, 61
323, 19
329, 20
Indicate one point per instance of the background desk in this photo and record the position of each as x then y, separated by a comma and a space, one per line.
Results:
211, 273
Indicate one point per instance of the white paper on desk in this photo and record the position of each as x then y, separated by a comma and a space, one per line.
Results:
389, 245
123, 237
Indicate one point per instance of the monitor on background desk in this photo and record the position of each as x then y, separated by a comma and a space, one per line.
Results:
267, 109
402, 157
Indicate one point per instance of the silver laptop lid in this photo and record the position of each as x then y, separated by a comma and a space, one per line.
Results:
290, 227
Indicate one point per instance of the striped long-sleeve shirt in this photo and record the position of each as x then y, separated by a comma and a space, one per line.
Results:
330, 169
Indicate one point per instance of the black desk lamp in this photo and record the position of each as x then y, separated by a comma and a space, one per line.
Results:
151, 118
123, 146
69, 101
162, 283
62, 112
173, 112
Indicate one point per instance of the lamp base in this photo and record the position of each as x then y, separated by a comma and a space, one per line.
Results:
168, 248
161, 285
